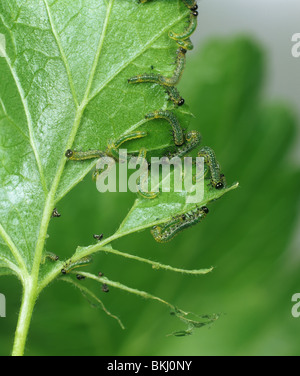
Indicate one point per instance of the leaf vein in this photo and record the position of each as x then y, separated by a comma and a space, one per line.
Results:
63, 56
29, 123
14, 250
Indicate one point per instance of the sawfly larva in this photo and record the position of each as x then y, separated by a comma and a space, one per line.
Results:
177, 131
192, 140
191, 4
217, 180
189, 30
174, 95
160, 79
169, 230
70, 265
140, 184
74, 155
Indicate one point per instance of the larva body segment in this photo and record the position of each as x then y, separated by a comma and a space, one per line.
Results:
193, 22
223, 180
217, 180
174, 95
74, 155
177, 131
191, 4
129, 137
145, 78
51, 256
162, 80
186, 44
180, 65
145, 194
69, 266
192, 140
165, 233
112, 149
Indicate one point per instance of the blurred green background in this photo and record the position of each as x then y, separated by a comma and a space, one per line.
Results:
248, 237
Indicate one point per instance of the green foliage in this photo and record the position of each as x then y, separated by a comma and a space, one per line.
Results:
56, 88
65, 85
75, 94
246, 236
63, 73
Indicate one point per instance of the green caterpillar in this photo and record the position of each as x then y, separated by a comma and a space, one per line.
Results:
217, 179
167, 82
69, 266
112, 147
174, 95
192, 140
162, 80
186, 44
181, 38
191, 4
148, 195
74, 155
51, 256
189, 30
169, 230
177, 131
111, 150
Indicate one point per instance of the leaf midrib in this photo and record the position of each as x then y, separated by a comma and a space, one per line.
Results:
50, 202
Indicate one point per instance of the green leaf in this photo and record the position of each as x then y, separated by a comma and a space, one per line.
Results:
64, 70
147, 213
64, 84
